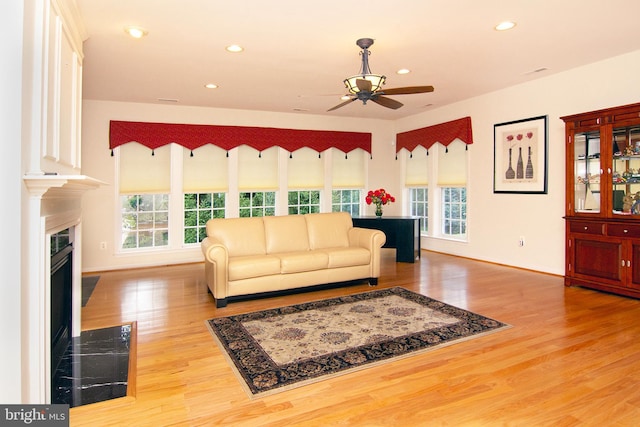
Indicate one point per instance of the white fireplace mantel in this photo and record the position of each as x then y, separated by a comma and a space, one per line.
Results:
46, 185
55, 203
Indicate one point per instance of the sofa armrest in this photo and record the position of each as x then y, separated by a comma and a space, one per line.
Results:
366, 238
216, 260
370, 239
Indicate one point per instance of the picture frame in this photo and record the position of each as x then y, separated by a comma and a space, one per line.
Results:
520, 156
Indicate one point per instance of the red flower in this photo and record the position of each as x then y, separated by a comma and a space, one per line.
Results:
379, 197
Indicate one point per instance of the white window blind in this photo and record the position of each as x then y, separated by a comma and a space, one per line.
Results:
207, 171
452, 165
347, 172
416, 172
141, 172
257, 170
305, 169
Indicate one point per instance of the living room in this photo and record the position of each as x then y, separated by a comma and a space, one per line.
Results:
496, 221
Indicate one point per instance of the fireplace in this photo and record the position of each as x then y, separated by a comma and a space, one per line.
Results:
61, 294
54, 206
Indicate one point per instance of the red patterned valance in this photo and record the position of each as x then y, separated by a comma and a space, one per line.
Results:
444, 133
154, 135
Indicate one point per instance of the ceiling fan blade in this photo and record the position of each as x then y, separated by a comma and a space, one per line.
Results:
407, 90
387, 102
364, 85
342, 104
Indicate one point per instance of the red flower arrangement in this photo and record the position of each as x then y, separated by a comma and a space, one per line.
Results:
379, 197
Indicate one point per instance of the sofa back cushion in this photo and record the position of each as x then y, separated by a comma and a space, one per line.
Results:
287, 233
329, 230
241, 236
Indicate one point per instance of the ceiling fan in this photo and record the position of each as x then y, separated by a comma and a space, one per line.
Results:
367, 86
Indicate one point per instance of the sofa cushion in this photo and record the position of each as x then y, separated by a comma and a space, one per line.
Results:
328, 230
296, 262
241, 236
347, 257
286, 233
245, 267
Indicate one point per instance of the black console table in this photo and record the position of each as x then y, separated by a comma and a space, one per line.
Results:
403, 234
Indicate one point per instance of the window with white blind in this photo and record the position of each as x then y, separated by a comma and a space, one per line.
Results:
417, 179
452, 182
205, 181
144, 184
257, 170
347, 170
305, 170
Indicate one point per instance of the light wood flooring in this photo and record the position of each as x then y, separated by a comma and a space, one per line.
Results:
571, 357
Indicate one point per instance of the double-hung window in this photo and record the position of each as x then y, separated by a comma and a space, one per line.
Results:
258, 175
305, 181
417, 181
452, 184
348, 172
204, 185
144, 190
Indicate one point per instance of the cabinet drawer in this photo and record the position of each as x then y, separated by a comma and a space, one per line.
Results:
586, 227
623, 230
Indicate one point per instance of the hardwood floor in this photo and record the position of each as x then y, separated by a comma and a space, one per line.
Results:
571, 357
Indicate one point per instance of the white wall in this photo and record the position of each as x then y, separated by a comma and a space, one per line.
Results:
11, 19
496, 221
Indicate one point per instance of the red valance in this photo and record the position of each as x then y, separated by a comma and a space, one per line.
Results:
154, 135
444, 133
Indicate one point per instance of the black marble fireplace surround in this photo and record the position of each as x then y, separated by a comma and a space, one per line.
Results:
95, 367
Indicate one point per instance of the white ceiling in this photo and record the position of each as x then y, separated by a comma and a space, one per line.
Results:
297, 52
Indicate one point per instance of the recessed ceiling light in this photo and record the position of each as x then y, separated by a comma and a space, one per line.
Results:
403, 71
234, 48
136, 32
506, 25
211, 86
345, 97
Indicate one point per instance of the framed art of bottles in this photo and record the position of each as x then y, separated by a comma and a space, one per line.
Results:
520, 156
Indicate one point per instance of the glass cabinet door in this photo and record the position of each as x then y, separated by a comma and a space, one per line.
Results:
587, 171
626, 171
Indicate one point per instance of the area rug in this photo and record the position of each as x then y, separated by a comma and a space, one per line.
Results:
282, 348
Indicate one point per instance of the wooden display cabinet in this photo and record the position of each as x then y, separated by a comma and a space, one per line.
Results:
603, 200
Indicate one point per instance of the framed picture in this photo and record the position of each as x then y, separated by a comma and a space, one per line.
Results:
520, 156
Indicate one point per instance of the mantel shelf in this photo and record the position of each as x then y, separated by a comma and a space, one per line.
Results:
60, 185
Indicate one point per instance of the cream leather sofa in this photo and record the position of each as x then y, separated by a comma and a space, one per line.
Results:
245, 256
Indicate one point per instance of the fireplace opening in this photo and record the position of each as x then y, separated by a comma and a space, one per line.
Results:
61, 295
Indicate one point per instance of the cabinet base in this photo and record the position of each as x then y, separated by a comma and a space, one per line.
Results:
618, 290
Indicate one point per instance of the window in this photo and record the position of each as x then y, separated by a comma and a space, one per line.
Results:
452, 181
347, 200
454, 212
198, 209
145, 220
257, 203
304, 202
419, 206
144, 184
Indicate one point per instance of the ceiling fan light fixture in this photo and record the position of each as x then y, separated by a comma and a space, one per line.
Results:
377, 80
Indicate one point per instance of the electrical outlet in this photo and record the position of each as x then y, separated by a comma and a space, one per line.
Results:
103, 246
521, 241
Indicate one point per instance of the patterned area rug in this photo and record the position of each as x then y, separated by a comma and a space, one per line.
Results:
278, 349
